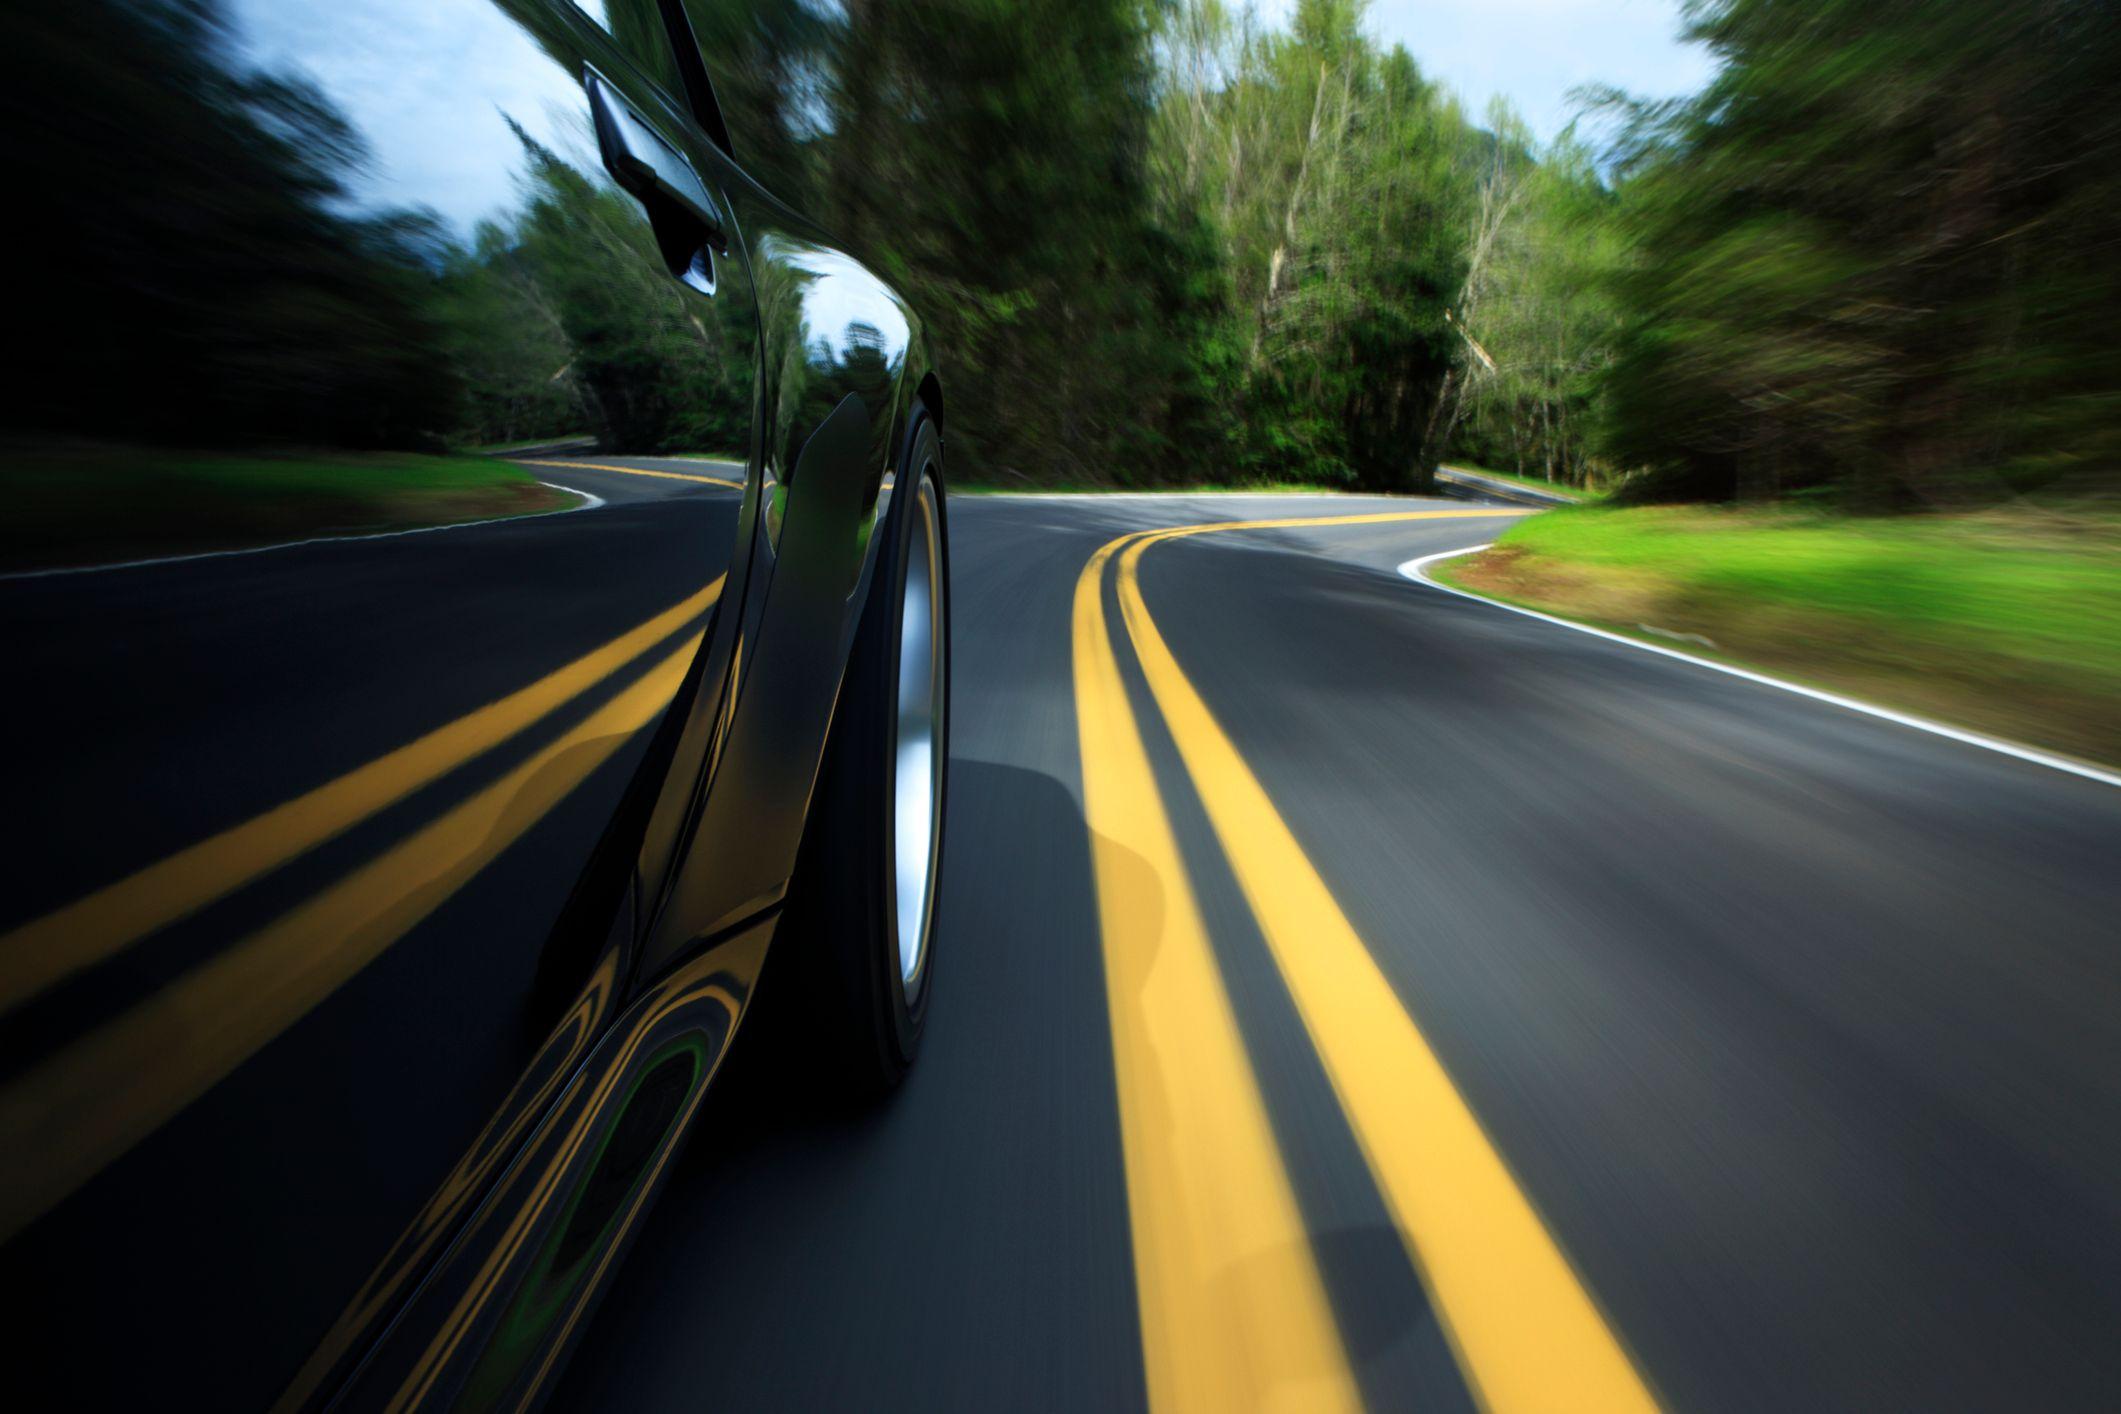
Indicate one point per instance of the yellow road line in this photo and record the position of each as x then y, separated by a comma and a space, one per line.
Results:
633, 471
698, 978
1234, 1313
39, 954
1525, 1329
87, 1104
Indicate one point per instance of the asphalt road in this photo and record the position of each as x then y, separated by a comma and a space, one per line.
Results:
1705, 1035
1798, 1028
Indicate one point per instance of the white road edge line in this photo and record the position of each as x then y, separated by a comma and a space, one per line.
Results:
589, 503
1415, 570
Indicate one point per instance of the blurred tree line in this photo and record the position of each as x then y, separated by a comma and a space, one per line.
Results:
1873, 261
1539, 310
1159, 241
1156, 240
207, 276
191, 264
1877, 255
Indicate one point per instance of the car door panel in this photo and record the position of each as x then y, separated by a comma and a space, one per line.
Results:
426, 761
502, 812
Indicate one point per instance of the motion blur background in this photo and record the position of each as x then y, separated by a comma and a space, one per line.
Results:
1794, 320
1162, 242
1867, 270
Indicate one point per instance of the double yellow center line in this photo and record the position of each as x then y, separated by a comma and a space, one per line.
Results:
1233, 1310
90, 1101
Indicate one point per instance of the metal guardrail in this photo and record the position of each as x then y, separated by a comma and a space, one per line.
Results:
559, 446
1473, 486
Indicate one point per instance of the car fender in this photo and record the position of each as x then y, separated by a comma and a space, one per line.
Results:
842, 357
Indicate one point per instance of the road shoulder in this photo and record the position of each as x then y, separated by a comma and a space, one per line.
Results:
1473, 571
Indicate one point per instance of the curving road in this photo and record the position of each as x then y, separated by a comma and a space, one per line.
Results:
1794, 1029
1349, 994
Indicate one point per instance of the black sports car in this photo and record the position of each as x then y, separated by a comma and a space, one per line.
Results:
477, 598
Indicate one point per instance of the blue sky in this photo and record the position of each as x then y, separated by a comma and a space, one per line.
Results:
1534, 51
428, 84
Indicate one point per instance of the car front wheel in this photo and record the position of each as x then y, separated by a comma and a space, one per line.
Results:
859, 937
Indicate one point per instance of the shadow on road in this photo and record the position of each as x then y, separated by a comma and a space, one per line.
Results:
989, 1187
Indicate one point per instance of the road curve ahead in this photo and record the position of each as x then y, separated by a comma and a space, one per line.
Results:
1355, 995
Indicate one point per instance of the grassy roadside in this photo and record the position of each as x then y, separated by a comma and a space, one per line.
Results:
84, 504
2008, 622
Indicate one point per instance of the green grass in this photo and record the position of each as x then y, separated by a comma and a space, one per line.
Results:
1534, 482
2050, 590
73, 504
2009, 620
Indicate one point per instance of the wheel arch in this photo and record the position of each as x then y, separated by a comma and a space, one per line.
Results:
930, 393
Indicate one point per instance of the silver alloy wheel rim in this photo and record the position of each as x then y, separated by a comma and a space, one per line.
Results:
917, 771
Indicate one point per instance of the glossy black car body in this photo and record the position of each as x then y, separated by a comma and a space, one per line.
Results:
366, 1117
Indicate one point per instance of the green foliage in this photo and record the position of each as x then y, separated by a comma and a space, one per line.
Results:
988, 159
503, 337
1153, 241
650, 373
2000, 581
1547, 243
208, 281
1327, 182
200, 275
1131, 272
1877, 254
78, 502
2007, 618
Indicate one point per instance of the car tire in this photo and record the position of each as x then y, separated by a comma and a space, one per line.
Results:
858, 935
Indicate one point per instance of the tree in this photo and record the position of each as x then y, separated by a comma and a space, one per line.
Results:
200, 281
1876, 254
1333, 177
656, 378
1539, 304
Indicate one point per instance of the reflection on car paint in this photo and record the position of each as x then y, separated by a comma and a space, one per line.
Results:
446, 895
